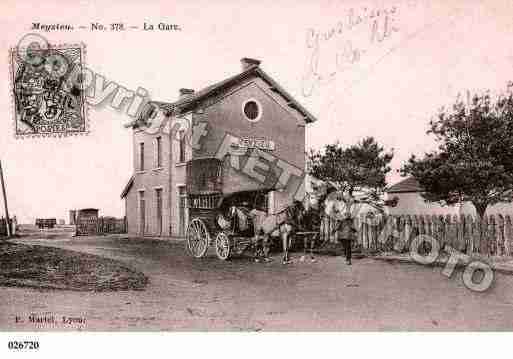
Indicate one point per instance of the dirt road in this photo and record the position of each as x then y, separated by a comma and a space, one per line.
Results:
187, 294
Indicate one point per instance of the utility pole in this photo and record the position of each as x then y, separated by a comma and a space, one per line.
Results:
5, 201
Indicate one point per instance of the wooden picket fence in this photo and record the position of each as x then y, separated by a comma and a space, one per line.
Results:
491, 236
112, 225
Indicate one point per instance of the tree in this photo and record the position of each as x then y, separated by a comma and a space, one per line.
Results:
357, 171
473, 161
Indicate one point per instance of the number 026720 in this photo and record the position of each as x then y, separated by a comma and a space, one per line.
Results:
23, 345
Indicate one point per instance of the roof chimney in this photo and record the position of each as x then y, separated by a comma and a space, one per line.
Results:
246, 62
183, 93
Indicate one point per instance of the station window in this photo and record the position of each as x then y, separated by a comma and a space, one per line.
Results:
158, 144
141, 156
252, 110
181, 134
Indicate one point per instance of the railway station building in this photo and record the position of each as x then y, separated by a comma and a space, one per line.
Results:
242, 138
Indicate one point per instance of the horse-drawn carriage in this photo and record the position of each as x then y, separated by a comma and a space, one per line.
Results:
233, 216
233, 220
227, 225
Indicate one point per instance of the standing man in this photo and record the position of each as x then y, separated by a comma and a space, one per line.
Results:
346, 233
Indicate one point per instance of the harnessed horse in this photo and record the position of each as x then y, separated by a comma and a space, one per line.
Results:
280, 224
310, 220
299, 216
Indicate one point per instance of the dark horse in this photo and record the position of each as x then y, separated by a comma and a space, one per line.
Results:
309, 220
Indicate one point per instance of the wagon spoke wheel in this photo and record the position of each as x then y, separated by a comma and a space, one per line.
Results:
223, 248
197, 238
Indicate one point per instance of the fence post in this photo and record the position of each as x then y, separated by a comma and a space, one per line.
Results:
399, 225
414, 230
450, 232
441, 230
458, 229
321, 229
333, 236
327, 229
429, 225
375, 226
435, 228
417, 227
409, 232
469, 243
361, 228
396, 242
387, 230
421, 225
492, 235
403, 243
483, 239
508, 236
369, 232
500, 235
476, 234
365, 234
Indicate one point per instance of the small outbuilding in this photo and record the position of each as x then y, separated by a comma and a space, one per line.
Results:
87, 222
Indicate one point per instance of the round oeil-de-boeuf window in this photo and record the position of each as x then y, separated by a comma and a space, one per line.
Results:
252, 110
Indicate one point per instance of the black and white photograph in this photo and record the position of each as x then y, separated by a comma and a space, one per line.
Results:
257, 168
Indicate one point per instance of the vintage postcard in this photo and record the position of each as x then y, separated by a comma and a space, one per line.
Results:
255, 166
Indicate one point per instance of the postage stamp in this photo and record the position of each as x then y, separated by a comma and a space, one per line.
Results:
46, 103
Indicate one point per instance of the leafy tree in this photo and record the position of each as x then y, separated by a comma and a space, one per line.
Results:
357, 171
473, 161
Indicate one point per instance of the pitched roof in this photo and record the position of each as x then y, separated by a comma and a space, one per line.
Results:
128, 186
408, 184
192, 100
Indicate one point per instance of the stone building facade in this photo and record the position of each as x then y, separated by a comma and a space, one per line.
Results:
248, 121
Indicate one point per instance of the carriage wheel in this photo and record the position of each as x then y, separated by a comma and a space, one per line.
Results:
197, 238
223, 249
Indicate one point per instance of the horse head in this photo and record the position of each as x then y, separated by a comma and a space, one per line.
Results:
316, 198
341, 205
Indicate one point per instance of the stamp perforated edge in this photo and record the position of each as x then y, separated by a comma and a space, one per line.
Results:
16, 135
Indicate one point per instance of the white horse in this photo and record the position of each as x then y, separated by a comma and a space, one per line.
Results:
283, 223
341, 206
280, 224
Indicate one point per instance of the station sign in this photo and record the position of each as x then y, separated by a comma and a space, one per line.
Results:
252, 142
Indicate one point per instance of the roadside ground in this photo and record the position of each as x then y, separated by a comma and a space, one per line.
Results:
189, 294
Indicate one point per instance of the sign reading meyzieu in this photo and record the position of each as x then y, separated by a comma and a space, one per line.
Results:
250, 142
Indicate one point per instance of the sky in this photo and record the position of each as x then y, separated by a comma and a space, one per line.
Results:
358, 80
